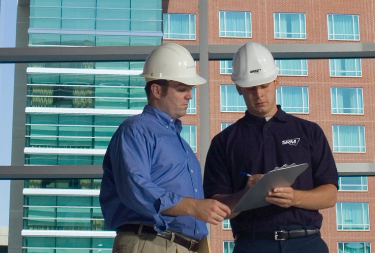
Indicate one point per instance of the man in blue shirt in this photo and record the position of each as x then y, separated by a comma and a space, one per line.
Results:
151, 191
265, 138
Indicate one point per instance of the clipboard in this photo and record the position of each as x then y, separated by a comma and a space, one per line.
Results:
279, 177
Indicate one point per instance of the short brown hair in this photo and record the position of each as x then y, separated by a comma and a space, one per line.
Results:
164, 84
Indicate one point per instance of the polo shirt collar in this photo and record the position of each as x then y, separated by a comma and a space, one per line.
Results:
251, 119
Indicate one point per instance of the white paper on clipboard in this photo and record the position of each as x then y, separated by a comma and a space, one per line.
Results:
279, 177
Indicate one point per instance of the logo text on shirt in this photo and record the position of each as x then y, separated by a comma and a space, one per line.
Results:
292, 142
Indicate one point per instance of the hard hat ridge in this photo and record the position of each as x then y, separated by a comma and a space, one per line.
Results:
253, 65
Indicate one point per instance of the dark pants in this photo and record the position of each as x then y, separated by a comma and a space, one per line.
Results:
309, 244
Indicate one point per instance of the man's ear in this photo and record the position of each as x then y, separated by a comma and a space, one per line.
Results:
276, 82
239, 89
156, 90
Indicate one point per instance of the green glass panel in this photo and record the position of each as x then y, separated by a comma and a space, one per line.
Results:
151, 4
145, 41
39, 242
102, 242
65, 212
62, 242
112, 41
98, 160
45, 23
39, 3
77, 79
78, 40
47, 12
109, 120
75, 3
114, 25
137, 66
74, 160
41, 159
43, 79
40, 200
78, 13
44, 39
111, 13
75, 120
113, 3
112, 80
78, 24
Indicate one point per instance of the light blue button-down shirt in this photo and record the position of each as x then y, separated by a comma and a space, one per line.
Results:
149, 168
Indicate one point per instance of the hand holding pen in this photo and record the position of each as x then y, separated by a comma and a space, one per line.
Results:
252, 178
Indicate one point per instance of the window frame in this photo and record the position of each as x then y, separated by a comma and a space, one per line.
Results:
330, 18
359, 101
364, 205
277, 34
248, 32
192, 35
304, 92
336, 149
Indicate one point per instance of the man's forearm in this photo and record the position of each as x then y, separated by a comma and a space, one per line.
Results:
321, 197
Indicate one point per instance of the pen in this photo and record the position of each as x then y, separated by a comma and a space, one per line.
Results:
245, 174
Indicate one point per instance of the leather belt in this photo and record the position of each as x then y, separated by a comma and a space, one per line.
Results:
190, 244
277, 235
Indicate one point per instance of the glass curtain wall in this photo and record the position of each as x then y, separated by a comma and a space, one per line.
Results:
74, 108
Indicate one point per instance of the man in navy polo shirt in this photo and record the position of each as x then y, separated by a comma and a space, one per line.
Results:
265, 138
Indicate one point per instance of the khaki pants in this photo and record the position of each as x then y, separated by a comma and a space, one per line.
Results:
128, 242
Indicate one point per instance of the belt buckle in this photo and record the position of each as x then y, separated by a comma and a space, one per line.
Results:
191, 245
280, 235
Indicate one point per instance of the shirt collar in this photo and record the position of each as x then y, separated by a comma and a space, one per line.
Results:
280, 116
163, 118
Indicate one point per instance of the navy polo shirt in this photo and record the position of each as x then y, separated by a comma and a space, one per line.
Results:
256, 146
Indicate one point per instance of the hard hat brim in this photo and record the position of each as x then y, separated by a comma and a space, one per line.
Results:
191, 80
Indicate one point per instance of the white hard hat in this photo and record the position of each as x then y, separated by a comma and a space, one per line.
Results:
172, 62
253, 65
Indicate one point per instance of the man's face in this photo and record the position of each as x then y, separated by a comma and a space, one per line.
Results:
260, 100
176, 101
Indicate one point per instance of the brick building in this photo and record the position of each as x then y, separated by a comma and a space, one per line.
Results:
303, 22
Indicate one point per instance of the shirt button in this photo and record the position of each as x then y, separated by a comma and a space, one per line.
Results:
171, 120
195, 189
167, 126
187, 152
191, 171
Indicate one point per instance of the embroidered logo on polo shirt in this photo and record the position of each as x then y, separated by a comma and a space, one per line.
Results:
292, 142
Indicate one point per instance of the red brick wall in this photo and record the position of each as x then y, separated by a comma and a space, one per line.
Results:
318, 81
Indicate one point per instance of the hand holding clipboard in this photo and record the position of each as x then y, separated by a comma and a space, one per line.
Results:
279, 177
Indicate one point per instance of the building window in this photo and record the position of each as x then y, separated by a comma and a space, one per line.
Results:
228, 246
356, 183
179, 26
345, 67
354, 247
343, 27
349, 139
226, 67
226, 224
230, 100
225, 125
235, 24
290, 25
352, 216
189, 134
347, 100
293, 99
192, 107
292, 67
